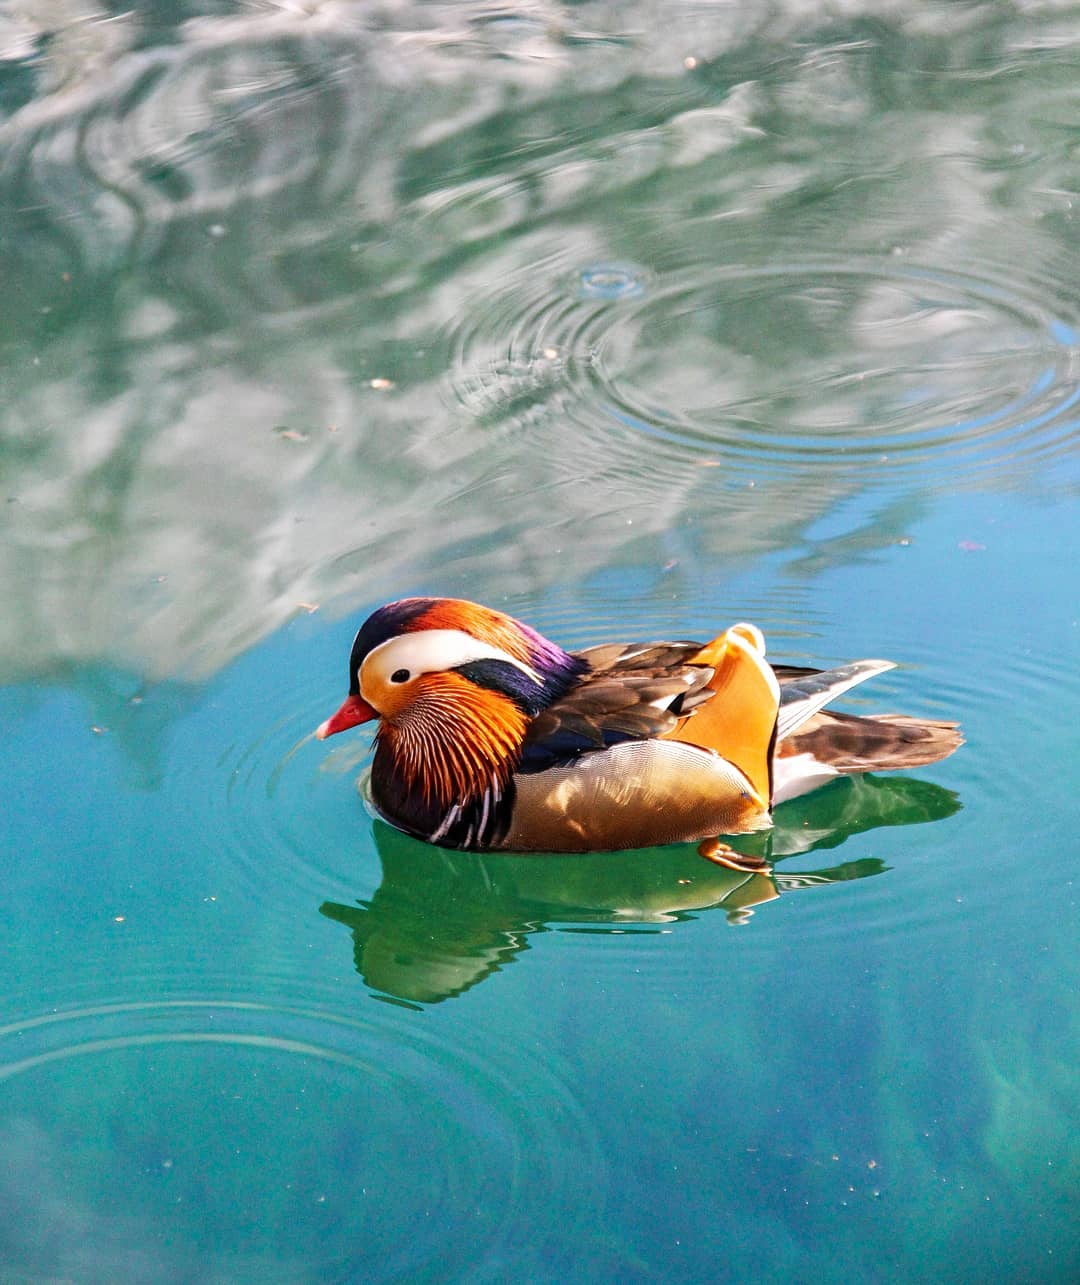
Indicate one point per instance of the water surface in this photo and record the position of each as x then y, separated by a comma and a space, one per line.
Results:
632, 321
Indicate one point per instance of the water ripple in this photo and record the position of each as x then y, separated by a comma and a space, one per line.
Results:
283, 802
893, 367
295, 1088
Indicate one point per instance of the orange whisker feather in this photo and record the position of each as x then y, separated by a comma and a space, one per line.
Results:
457, 740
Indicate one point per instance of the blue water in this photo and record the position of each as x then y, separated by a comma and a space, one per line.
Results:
633, 322
604, 1069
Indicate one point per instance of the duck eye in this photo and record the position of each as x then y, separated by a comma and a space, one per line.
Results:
399, 676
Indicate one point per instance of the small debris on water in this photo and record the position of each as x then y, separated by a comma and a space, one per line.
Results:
381, 385
971, 546
98, 731
309, 607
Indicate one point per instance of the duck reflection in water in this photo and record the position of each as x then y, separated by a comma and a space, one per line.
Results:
441, 921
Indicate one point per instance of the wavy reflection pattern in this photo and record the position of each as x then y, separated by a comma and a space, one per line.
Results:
335, 314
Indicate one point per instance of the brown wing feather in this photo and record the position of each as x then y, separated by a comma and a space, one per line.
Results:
653, 658
639, 691
633, 692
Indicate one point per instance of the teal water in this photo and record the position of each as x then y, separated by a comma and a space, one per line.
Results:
631, 320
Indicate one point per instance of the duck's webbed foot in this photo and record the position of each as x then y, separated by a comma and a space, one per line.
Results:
721, 854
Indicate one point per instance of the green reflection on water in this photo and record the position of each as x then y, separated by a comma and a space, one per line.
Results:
442, 921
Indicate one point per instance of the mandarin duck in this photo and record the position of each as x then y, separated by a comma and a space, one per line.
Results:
492, 737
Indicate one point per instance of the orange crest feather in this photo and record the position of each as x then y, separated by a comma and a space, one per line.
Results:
486, 624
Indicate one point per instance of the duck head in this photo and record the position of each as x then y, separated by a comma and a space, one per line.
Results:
454, 685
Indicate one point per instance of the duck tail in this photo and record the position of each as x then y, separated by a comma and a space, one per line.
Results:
814, 745
830, 744
881, 742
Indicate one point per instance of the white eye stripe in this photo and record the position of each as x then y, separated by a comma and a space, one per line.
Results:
432, 651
